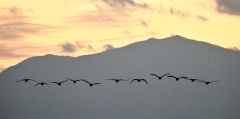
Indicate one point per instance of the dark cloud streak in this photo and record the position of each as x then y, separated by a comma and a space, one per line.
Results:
202, 18
179, 13
144, 23
86, 46
124, 3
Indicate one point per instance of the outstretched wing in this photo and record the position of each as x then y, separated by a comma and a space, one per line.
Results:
194, 79
54, 82
123, 80
155, 75
36, 85
201, 81
144, 81
63, 81
46, 84
97, 83
86, 81
32, 80
133, 80
183, 77
111, 79
213, 81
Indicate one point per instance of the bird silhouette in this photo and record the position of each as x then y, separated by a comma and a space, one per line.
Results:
42, 84
160, 77
206, 82
191, 79
177, 78
90, 84
139, 80
117, 80
59, 83
26, 80
74, 81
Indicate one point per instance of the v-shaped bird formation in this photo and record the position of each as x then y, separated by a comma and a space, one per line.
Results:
116, 80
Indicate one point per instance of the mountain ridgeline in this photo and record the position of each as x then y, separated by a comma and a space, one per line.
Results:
165, 99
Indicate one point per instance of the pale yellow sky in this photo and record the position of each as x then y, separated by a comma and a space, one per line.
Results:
77, 27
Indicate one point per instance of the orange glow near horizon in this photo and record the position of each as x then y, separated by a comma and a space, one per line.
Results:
32, 28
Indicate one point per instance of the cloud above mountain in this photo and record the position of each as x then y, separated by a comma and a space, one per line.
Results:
68, 47
71, 47
231, 7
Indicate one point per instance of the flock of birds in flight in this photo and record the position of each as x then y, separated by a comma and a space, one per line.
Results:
117, 80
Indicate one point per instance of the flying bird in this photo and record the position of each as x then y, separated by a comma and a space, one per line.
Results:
74, 81
177, 78
190, 79
42, 84
140, 80
207, 82
59, 83
90, 84
26, 80
117, 80
160, 77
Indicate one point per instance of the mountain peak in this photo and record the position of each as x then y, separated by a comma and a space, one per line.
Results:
177, 37
171, 37
152, 38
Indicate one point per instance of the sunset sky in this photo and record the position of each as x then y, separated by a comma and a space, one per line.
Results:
77, 27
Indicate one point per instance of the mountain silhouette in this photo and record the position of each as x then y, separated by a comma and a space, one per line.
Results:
161, 99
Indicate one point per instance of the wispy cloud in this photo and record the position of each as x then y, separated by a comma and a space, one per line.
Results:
85, 46
11, 13
173, 11
180, 13
14, 24
9, 53
231, 7
103, 16
124, 3
110, 13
